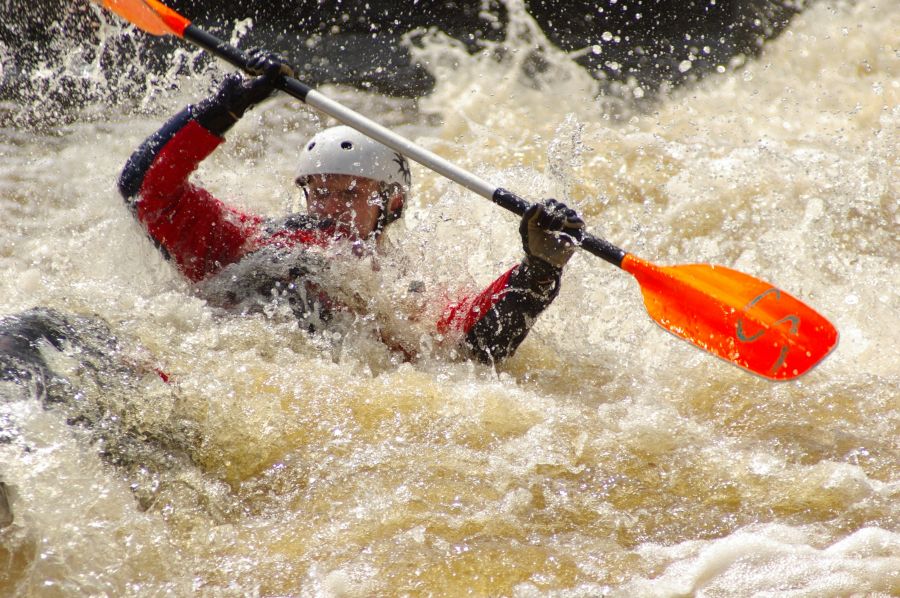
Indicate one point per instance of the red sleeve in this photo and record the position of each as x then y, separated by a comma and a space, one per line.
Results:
198, 231
463, 314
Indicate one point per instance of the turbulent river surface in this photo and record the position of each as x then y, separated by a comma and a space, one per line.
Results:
606, 458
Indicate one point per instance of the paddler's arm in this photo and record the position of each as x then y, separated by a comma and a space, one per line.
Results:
186, 222
496, 321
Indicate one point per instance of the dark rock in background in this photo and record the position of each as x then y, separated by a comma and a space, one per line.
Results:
650, 40
646, 42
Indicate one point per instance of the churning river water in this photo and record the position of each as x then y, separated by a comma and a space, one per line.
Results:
606, 458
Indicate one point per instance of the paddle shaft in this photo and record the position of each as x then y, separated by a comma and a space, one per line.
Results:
502, 197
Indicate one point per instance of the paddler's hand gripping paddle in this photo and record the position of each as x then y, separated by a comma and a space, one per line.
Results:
732, 315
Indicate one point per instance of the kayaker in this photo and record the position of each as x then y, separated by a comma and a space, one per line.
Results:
355, 188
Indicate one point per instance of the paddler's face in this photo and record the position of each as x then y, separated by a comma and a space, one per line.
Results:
353, 202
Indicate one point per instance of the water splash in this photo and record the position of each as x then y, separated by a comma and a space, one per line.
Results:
604, 458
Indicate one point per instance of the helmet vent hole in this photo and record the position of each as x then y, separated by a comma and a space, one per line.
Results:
346, 145
311, 146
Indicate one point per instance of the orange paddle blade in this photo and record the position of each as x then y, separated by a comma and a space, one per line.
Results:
148, 15
737, 317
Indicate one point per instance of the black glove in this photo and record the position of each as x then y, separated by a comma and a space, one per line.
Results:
237, 94
270, 71
550, 232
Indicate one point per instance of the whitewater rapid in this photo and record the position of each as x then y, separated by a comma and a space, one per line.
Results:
605, 458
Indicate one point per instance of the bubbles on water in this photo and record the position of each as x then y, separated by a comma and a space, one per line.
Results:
760, 559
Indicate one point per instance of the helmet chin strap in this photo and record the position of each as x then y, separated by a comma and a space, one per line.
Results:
385, 217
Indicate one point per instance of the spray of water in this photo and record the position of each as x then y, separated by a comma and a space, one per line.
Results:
604, 458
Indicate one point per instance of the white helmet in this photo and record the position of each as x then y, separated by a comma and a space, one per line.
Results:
344, 150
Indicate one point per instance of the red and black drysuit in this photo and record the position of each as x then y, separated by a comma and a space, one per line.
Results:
203, 235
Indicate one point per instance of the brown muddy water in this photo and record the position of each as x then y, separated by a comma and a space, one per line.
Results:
606, 458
